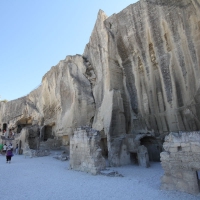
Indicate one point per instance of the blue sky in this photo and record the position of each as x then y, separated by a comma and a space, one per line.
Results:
36, 34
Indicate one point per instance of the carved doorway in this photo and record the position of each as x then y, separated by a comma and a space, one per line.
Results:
47, 132
153, 146
104, 147
134, 158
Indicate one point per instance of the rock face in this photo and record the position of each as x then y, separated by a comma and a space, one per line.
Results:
146, 61
181, 162
139, 75
63, 101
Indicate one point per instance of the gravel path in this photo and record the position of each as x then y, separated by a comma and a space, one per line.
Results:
46, 178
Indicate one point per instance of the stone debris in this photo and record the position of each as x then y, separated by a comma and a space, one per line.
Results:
34, 153
110, 173
62, 156
40, 153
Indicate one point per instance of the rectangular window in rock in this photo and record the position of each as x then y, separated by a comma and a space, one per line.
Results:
179, 148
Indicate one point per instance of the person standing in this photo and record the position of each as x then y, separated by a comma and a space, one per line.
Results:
8, 155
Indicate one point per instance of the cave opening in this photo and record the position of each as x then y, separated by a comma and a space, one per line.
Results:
104, 147
23, 122
153, 146
134, 158
4, 127
48, 134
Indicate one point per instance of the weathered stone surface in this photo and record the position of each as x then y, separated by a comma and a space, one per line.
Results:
85, 152
181, 167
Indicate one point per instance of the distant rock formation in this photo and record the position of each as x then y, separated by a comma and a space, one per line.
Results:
139, 75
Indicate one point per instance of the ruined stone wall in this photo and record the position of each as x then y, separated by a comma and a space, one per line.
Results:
85, 151
181, 162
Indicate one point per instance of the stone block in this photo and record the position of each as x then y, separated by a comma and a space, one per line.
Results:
186, 159
193, 187
182, 185
175, 144
164, 156
189, 176
194, 136
195, 147
166, 146
186, 149
165, 164
167, 179
177, 174
185, 144
194, 165
173, 149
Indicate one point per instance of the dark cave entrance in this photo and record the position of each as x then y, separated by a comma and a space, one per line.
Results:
134, 158
153, 146
47, 133
104, 147
23, 122
4, 127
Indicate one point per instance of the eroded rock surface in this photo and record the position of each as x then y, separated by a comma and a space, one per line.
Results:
85, 151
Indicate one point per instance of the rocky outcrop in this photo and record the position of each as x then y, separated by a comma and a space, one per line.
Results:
139, 74
85, 151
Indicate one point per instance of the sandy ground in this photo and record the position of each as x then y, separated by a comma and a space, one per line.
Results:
47, 178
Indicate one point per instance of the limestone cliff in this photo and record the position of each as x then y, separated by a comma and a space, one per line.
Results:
146, 61
147, 56
139, 74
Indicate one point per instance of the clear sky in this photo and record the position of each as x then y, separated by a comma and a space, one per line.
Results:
36, 34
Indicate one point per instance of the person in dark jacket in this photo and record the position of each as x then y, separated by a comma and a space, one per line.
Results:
8, 155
